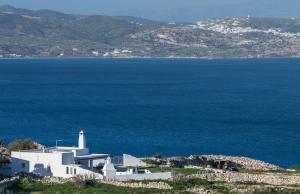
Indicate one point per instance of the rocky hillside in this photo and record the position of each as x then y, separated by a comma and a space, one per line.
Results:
44, 33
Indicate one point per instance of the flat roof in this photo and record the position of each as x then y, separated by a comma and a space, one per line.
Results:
32, 151
92, 156
52, 150
64, 149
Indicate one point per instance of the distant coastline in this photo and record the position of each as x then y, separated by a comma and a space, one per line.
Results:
53, 34
192, 58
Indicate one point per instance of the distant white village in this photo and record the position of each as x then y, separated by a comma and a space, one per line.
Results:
232, 26
68, 162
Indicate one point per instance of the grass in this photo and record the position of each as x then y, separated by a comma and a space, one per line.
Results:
35, 187
179, 187
281, 192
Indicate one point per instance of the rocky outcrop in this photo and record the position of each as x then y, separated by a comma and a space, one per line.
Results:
202, 161
244, 162
234, 177
230, 163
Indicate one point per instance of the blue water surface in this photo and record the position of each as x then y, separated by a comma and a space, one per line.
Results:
247, 107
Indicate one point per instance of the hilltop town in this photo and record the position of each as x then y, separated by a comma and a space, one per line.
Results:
25, 33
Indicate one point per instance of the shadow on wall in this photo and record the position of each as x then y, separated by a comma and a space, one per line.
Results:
19, 165
5, 170
40, 169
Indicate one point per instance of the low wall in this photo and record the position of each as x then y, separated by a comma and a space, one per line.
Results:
150, 185
140, 177
8, 183
234, 177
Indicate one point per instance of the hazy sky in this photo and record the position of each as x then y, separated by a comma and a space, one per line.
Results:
171, 10
110, 6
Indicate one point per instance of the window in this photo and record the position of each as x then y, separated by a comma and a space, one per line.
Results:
75, 171
48, 168
23, 165
67, 170
71, 170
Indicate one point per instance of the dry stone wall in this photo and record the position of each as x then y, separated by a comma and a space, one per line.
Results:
233, 177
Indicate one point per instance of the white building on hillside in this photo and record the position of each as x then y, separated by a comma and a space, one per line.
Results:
62, 162
67, 162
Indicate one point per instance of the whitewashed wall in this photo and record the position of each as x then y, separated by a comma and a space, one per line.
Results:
132, 161
44, 164
80, 171
48, 164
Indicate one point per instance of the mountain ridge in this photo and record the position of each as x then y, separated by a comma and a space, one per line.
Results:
46, 33
175, 10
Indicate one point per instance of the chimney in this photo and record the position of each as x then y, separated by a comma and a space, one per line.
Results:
81, 140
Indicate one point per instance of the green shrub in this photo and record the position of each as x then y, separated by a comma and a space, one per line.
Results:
18, 145
4, 160
84, 181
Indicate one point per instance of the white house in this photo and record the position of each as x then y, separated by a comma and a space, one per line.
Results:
67, 162
62, 162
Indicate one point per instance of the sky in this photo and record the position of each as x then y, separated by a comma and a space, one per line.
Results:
167, 10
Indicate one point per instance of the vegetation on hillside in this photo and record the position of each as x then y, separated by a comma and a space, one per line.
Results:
25, 33
178, 186
29, 187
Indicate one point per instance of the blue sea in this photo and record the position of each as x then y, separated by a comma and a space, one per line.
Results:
243, 107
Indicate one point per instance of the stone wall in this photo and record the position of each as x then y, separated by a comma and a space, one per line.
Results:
234, 177
150, 185
141, 177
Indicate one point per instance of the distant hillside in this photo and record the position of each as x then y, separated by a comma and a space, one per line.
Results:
45, 33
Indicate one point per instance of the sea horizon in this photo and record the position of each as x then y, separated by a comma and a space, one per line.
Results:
238, 107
